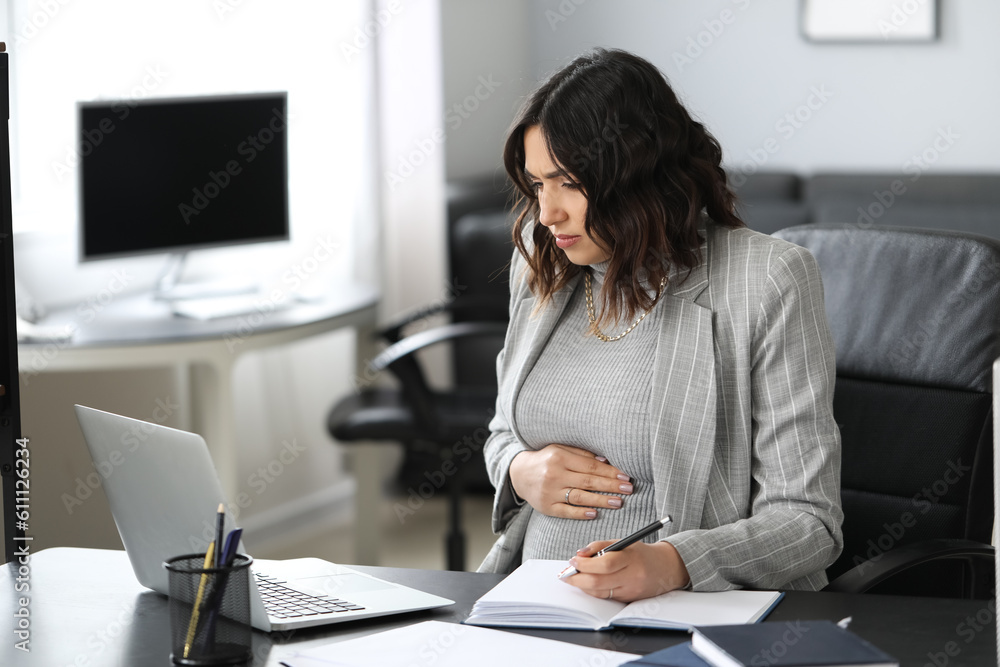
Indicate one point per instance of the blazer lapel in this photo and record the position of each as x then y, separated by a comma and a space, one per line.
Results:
538, 328
683, 403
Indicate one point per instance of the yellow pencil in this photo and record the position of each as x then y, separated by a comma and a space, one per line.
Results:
193, 625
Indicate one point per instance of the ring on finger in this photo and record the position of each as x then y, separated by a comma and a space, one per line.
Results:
567, 497
611, 593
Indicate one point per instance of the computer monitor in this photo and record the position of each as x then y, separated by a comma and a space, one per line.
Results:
178, 174
14, 453
996, 479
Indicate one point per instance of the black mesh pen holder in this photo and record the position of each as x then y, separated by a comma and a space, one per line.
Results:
209, 611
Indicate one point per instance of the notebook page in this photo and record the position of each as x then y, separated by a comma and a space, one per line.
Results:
686, 609
535, 586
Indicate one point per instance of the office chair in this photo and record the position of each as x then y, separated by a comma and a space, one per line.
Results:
449, 428
443, 432
769, 200
915, 316
480, 251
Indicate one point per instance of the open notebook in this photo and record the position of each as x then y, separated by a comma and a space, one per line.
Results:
533, 597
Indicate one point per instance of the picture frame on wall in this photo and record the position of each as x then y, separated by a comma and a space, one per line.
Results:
890, 21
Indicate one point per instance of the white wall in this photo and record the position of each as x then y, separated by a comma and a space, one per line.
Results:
887, 102
486, 49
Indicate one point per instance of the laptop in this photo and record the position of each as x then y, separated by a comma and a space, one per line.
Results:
164, 494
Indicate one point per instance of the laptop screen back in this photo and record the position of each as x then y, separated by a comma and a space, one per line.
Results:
162, 488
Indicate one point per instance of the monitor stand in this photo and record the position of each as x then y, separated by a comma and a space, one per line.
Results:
170, 288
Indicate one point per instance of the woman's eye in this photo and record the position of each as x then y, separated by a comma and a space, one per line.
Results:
535, 185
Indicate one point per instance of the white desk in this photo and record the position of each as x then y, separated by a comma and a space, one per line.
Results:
138, 332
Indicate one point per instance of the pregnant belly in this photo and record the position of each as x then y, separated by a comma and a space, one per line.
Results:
557, 538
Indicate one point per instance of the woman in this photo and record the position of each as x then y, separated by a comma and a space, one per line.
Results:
661, 358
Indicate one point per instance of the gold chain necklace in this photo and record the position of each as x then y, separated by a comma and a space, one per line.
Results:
593, 317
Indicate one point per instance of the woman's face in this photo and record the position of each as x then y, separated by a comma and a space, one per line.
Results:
562, 206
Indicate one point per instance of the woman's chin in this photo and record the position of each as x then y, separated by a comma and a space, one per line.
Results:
585, 257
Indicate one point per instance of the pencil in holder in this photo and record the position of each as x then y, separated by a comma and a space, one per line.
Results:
209, 611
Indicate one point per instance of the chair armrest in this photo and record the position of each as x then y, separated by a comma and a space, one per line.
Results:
418, 341
393, 332
399, 358
866, 575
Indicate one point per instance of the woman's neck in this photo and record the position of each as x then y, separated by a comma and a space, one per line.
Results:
599, 270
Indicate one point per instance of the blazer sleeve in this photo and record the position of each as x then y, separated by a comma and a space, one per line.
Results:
793, 530
502, 445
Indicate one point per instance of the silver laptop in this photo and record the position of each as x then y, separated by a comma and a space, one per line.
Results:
164, 492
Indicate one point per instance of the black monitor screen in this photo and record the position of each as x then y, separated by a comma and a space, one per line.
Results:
175, 174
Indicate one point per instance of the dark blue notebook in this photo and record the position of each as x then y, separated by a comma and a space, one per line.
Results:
679, 655
787, 644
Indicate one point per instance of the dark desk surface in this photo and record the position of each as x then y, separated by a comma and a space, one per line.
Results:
87, 610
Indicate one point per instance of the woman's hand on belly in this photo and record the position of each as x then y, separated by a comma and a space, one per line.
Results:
546, 478
636, 572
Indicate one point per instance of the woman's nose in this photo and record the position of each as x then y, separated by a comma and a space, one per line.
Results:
549, 210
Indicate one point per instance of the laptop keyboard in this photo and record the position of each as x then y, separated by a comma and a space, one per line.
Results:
283, 602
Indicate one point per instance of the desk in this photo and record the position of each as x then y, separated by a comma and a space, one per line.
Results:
139, 332
87, 609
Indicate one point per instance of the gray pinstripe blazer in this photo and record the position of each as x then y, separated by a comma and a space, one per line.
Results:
745, 450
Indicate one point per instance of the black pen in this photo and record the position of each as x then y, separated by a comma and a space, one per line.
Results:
622, 543
220, 531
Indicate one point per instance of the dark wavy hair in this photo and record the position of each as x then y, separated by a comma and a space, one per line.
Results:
613, 126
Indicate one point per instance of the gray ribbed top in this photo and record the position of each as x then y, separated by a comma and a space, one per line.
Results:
594, 395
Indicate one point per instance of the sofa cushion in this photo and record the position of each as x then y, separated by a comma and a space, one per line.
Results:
973, 218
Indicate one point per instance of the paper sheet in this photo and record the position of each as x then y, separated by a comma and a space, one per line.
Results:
453, 645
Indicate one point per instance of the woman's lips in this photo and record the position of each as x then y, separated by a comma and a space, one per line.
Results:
565, 240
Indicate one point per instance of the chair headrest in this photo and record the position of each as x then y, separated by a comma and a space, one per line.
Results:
915, 306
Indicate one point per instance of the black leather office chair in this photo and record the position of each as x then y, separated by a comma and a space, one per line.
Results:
446, 430
915, 315
443, 432
480, 252
769, 200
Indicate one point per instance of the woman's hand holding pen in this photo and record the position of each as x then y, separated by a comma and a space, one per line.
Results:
639, 571
564, 481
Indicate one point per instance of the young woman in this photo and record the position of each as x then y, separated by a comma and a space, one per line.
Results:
661, 358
